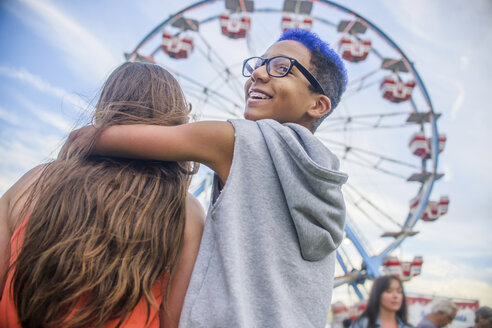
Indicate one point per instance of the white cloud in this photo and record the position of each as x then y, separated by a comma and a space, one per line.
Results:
85, 52
8, 116
24, 151
37, 82
464, 62
438, 268
414, 14
45, 116
442, 278
450, 286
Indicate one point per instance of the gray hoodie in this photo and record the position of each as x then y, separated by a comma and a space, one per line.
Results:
268, 248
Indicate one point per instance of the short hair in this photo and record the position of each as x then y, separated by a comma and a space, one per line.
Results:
484, 312
444, 306
326, 65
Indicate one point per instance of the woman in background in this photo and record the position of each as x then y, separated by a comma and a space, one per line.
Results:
103, 242
386, 307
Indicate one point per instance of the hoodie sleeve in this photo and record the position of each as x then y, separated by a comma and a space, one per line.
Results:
311, 183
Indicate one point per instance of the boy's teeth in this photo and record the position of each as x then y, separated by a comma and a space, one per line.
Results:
258, 95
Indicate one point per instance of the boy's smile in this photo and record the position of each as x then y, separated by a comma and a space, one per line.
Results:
284, 99
257, 95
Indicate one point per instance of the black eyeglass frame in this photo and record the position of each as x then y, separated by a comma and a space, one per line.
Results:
293, 62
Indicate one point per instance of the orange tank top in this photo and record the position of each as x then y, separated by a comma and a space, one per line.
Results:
137, 318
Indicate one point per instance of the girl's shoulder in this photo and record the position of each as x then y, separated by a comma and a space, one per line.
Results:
360, 322
402, 324
13, 202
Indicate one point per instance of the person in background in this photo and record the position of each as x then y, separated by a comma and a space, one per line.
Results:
483, 317
386, 307
442, 314
100, 242
346, 323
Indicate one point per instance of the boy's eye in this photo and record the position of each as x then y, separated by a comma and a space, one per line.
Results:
280, 69
283, 69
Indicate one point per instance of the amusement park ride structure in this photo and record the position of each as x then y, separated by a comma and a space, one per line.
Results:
358, 41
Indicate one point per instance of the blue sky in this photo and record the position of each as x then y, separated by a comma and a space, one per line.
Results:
56, 54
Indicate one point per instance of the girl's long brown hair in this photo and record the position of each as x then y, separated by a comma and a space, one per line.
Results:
104, 231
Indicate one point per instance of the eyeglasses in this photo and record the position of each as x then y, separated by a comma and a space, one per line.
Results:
279, 66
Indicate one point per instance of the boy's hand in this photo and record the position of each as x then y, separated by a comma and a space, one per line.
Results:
80, 140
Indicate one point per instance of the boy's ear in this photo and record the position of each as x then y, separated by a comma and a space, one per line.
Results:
321, 107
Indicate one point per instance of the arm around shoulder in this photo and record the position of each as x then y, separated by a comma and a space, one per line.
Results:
210, 143
195, 221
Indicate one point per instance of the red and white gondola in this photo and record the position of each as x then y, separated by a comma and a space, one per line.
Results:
177, 47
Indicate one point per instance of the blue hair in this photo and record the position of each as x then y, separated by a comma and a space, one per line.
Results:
326, 64
311, 41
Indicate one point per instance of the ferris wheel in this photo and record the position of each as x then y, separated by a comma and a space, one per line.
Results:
384, 131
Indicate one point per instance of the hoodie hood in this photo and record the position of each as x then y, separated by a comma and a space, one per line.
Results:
311, 184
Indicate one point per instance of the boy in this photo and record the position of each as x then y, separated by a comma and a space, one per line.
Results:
268, 249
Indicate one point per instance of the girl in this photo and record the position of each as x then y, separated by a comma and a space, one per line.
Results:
100, 242
386, 307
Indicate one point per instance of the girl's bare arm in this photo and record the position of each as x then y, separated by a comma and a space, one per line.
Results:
195, 220
11, 209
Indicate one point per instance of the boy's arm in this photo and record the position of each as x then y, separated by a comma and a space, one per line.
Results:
210, 143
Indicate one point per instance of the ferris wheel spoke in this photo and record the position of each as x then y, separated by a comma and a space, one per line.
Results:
355, 203
373, 205
379, 157
414, 106
362, 77
375, 166
226, 76
359, 119
203, 98
358, 129
210, 91
346, 257
224, 73
209, 99
213, 102
220, 75
371, 115
221, 63
195, 94
371, 166
351, 91
363, 122
218, 83
360, 236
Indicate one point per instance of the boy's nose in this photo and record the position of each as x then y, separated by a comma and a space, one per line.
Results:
260, 73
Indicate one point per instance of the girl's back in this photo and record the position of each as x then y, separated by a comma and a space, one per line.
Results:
101, 236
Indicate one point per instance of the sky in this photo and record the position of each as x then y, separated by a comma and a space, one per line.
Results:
56, 55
